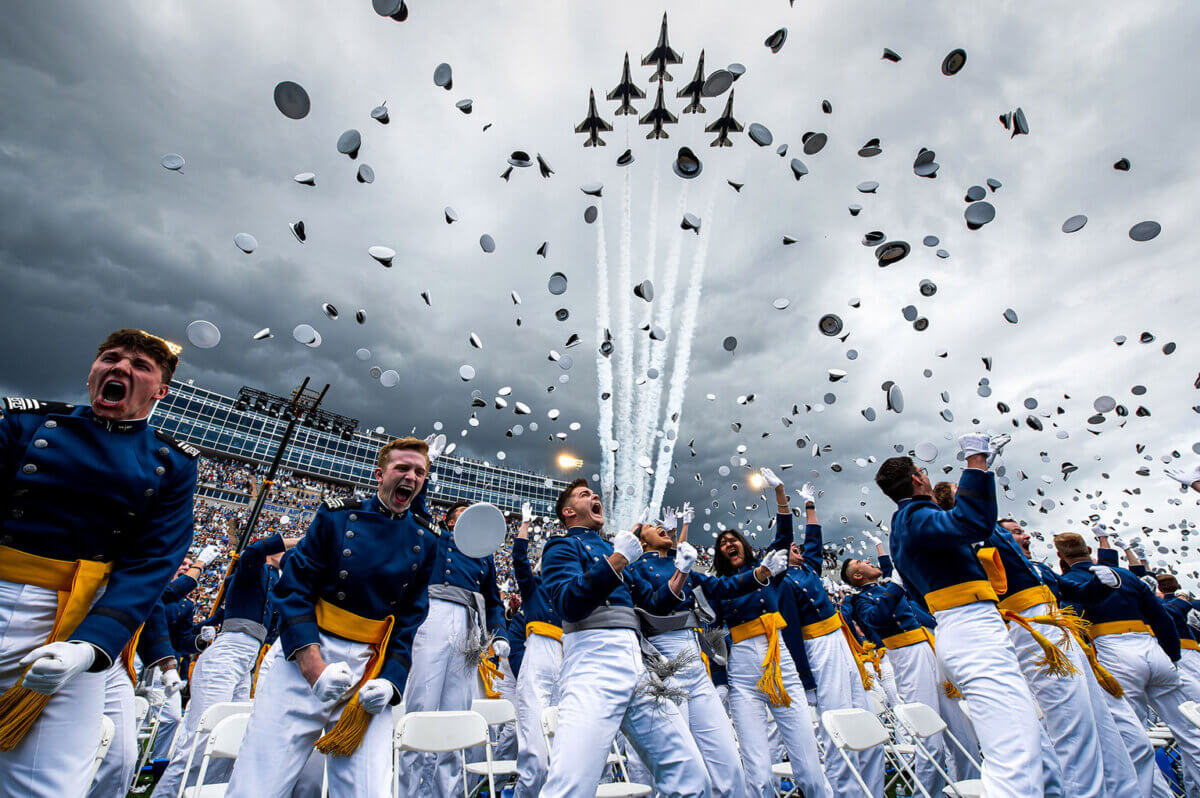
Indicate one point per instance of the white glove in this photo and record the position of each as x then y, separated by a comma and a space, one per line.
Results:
769, 477
872, 537
996, 445
644, 517
206, 556
974, 443
776, 561
55, 664
333, 682
375, 694
1150, 582
172, 684
501, 647
526, 513
669, 521
685, 557
808, 493
1107, 576
208, 633
1193, 618
1183, 476
687, 515
156, 697
628, 546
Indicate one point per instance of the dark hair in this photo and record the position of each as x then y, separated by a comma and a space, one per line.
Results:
165, 354
458, 505
565, 496
943, 495
894, 478
721, 564
845, 568
1167, 583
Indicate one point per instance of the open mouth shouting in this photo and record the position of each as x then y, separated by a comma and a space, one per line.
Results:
112, 392
402, 495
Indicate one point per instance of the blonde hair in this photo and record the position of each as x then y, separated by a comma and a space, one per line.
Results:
402, 444
1071, 545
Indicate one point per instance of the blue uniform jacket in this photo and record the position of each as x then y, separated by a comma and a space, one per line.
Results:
361, 557
884, 609
932, 547
922, 615
77, 487
154, 644
1018, 570
535, 602
652, 571
477, 574
1178, 609
252, 582
1130, 601
578, 578
515, 635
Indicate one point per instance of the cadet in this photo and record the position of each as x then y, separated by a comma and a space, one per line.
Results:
352, 594
464, 602
602, 660
932, 549
91, 496
224, 669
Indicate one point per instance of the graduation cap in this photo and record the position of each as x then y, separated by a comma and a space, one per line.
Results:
349, 142
760, 134
487, 243
830, 324
729, 344
855, 209
297, 229
717, 83
826, 107
245, 242
978, 214
395, 9
1074, 224
625, 158
306, 179
1010, 316
690, 222
953, 62
890, 55
360, 316
365, 174
590, 213
644, 290
443, 76
868, 186
891, 252
382, 254
292, 100
172, 161
593, 189
687, 165
466, 372
380, 114
520, 158
557, 285
1122, 165
203, 334
466, 106
450, 214
775, 40
330, 311
1144, 231
543, 248
927, 287
799, 170
263, 334
544, 167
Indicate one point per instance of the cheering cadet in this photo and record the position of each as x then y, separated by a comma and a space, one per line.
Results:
464, 603
352, 594
92, 496
933, 551
762, 675
602, 659
224, 669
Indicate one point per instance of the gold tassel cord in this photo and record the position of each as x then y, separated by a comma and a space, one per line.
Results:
1053, 661
347, 734
1106, 679
20, 708
950, 690
490, 674
771, 683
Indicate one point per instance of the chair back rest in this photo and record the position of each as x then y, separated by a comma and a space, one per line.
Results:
921, 719
877, 706
107, 730
1191, 711
218, 712
442, 732
550, 721
495, 710
141, 708
226, 737
856, 729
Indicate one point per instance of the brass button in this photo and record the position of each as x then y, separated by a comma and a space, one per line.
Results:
163, 452
341, 596
41, 443
29, 468
353, 516
160, 471
51, 424
346, 552
416, 549
343, 574
349, 533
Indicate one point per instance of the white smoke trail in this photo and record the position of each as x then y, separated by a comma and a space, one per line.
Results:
624, 343
604, 369
683, 355
643, 349
650, 398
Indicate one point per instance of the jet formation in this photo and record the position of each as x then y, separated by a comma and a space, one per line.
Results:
626, 91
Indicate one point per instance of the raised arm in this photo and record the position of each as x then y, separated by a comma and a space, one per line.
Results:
972, 519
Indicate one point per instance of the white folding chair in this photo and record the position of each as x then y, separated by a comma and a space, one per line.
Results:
223, 743
897, 751
856, 730
107, 730
443, 732
497, 712
614, 789
146, 740
1191, 711
783, 770
141, 708
922, 721
208, 721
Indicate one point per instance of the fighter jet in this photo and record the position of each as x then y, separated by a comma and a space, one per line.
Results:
662, 55
724, 125
658, 117
694, 89
625, 91
593, 125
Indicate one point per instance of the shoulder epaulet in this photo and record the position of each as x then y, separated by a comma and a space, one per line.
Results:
187, 449
19, 404
342, 503
427, 523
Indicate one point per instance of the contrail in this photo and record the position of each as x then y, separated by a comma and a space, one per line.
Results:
643, 347
683, 355
604, 369
650, 398
624, 351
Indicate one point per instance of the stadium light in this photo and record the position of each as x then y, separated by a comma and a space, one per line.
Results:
569, 462
756, 481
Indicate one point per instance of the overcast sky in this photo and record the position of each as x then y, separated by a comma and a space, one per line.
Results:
95, 234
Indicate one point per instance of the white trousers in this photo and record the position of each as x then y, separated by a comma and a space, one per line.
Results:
505, 746
222, 673
602, 671
439, 679
973, 647
169, 714
1150, 681
537, 689
55, 757
287, 720
840, 687
1117, 752
917, 681
1189, 673
750, 708
705, 716
1066, 707
116, 770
